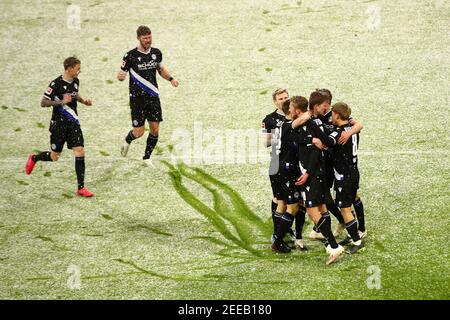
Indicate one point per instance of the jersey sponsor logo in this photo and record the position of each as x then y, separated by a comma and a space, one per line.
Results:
49, 91
147, 65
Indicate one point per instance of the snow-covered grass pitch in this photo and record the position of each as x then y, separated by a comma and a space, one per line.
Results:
201, 231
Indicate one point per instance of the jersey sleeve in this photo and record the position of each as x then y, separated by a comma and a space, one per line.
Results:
52, 91
159, 58
125, 62
265, 126
328, 140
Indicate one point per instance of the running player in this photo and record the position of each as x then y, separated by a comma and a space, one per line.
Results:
142, 63
62, 94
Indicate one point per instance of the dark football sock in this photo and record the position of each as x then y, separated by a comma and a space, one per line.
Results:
331, 206
276, 218
130, 137
359, 209
43, 156
151, 143
300, 222
325, 229
284, 225
79, 168
352, 228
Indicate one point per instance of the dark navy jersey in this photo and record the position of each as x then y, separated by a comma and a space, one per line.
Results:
272, 121
308, 155
55, 91
142, 67
286, 148
327, 122
345, 157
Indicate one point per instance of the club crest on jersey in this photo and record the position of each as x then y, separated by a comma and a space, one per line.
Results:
154, 56
76, 86
139, 58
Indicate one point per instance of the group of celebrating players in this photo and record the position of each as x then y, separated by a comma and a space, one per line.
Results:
314, 146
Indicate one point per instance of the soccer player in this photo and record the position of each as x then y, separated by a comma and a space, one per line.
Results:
62, 94
318, 103
142, 63
313, 184
289, 200
326, 118
345, 162
270, 130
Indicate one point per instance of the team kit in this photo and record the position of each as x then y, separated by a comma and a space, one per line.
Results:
314, 148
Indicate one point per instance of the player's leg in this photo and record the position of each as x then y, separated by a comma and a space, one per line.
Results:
359, 210
153, 114
299, 223
278, 243
57, 140
152, 139
345, 195
80, 170
137, 122
75, 141
334, 249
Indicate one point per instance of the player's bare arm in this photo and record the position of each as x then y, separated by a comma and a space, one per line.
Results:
301, 120
45, 102
87, 102
356, 128
164, 73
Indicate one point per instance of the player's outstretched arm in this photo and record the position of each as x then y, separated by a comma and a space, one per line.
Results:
163, 72
356, 128
301, 120
87, 102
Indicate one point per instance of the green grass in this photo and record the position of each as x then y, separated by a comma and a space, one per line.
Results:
202, 231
